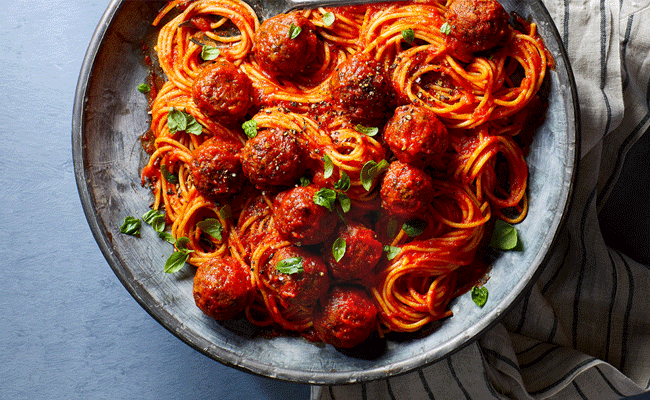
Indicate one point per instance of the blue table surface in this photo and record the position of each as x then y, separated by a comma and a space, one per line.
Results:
70, 330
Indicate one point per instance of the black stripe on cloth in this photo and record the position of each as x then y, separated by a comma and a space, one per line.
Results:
628, 311
603, 63
580, 392
550, 282
331, 390
501, 357
364, 391
624, 43
522, 317
608, 382
389, 388
563, 378
612, 301
553, 331
458, 382
540, 357
427, 389
626, 143
583, 267
531, 348
489, 385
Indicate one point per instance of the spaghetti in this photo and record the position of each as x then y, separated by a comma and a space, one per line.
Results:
322, 90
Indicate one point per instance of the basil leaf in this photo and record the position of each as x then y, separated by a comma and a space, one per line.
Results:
343, 183
167, 237
325, 197
504, 236
193, 126
169, 177
156, 219
392, 251
176, 120
328, 166
209, 53
366, 130
294, 31
338, 249
144, 88
225, 212
408, 35
250, 128
328, 18
181, 244
212, 227
176, 261
290, 266
445, 28
479, 295
180, 121
344, 200
304, 181
370, 171
414, 227
131, 226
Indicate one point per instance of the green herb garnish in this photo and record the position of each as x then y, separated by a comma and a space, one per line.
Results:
212, 227
209, 53
328, 18
392, 251
180, 121
414, 227
144, 88
504, 236
366, 130
294, 31
131, 226
156, 219
408, 35
370, 171
250, 128
338, 249
445, 28
290, 266
479, 295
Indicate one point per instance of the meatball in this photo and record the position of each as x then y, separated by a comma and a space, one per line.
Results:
362, 251
222, 288
279, 51
272, 158
345, 317
361, 89
476, 25
222, 91
405, 190
302, 288
300, 220
216, 168
416, 135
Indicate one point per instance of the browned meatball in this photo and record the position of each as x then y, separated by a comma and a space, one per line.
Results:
216, 168
222, 288
476, 25
222, 92
360, 88
277, 52
362, 251
405, 190
302, 288
272, 158
299, 219
416, 135
345, 317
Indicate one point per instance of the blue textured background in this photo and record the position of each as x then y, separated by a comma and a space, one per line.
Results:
69, 329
